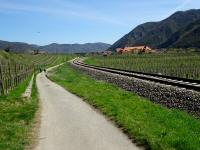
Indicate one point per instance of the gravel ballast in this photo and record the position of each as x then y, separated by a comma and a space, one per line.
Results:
166, 95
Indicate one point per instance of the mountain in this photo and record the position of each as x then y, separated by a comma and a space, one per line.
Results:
17, 46
75, 48
155, 34
186, 37
55, 48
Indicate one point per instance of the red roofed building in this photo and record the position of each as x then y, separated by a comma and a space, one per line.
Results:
135, 49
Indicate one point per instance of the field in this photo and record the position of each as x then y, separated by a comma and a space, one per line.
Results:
17, 117
147, 123
16, 113
15, 68
172, 64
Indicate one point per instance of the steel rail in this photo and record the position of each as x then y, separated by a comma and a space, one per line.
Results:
167, 80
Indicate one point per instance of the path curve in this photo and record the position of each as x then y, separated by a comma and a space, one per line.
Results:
68, 123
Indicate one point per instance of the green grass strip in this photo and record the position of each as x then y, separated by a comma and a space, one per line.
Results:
148, 124
16, 118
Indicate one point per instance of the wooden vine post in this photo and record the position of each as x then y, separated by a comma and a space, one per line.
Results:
1, 81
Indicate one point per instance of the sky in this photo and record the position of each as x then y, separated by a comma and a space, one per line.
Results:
80, 21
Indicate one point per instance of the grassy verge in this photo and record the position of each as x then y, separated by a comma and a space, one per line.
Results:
16, 118
147, 123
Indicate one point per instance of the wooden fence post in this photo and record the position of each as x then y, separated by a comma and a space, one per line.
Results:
1, 80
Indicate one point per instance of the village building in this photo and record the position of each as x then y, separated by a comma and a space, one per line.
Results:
135, 49
107, 53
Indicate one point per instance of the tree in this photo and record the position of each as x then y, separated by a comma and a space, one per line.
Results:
7, 49
36, 51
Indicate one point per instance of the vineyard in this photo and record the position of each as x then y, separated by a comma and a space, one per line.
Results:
177, 65
15, 68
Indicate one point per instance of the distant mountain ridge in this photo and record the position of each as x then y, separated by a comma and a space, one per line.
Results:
75, 48
156, 34
17, 46
54, 47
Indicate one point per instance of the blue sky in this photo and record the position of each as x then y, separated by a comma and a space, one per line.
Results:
80, 21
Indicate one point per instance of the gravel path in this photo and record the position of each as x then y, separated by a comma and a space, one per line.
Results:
68, 123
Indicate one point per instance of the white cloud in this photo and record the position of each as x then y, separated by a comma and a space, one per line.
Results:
178, 8
62, 11
182, 5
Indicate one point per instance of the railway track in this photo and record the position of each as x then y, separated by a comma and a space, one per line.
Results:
167, 80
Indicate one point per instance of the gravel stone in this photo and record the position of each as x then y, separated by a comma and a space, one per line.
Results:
166, 95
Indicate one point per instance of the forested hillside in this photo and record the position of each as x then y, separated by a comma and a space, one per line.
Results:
155, 34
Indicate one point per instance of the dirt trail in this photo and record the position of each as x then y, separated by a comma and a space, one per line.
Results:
68, 123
